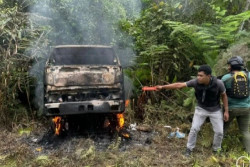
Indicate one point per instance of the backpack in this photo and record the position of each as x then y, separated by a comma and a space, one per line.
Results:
239, 85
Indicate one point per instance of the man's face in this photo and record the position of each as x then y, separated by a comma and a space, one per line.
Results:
229, 67
203, 78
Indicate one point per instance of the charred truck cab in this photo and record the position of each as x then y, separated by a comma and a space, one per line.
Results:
83, 79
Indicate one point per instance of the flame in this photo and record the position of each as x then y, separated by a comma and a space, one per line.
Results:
127, 102
57, 121
126, 135
120, 118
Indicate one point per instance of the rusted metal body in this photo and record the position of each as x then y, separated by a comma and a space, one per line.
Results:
83, 79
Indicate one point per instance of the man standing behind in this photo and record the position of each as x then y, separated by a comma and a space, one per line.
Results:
208, 90
237, 88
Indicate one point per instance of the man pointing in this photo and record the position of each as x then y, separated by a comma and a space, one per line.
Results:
208, 90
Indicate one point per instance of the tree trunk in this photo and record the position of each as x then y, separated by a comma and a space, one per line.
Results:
246, 8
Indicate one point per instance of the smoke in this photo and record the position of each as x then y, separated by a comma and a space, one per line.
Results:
87, 22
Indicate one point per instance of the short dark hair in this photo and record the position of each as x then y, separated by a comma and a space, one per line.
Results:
206, 69
236, 67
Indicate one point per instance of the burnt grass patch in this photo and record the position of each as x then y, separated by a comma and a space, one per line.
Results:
85, 146
102, 139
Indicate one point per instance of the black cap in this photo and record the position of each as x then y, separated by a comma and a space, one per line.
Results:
236, 61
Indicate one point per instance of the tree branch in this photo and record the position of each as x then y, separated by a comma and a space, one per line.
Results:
246, 8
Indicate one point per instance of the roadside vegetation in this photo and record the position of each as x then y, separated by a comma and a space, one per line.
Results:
164, 41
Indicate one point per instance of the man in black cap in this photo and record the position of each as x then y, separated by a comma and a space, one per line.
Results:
237, 89
208, 90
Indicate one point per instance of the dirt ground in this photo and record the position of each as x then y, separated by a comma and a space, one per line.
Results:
38, 146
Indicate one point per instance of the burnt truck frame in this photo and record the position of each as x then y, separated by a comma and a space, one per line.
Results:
83, 79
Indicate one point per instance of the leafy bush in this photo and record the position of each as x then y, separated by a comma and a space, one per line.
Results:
17, 34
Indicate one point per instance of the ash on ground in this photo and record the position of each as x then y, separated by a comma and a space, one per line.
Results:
47, 142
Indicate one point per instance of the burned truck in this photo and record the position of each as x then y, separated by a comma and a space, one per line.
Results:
80, 80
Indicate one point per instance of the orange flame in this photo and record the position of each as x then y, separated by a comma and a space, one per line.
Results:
127, 102
120, 118
57, 121
126, 135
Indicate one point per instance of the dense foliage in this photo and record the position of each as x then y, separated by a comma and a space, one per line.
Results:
17, 34
171, 43
166, 47
170, 38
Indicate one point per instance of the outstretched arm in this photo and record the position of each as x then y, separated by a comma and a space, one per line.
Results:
176, 85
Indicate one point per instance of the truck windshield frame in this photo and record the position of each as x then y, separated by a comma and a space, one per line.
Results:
83, 56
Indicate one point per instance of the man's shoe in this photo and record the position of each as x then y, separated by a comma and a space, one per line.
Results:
188, 152
217, 152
